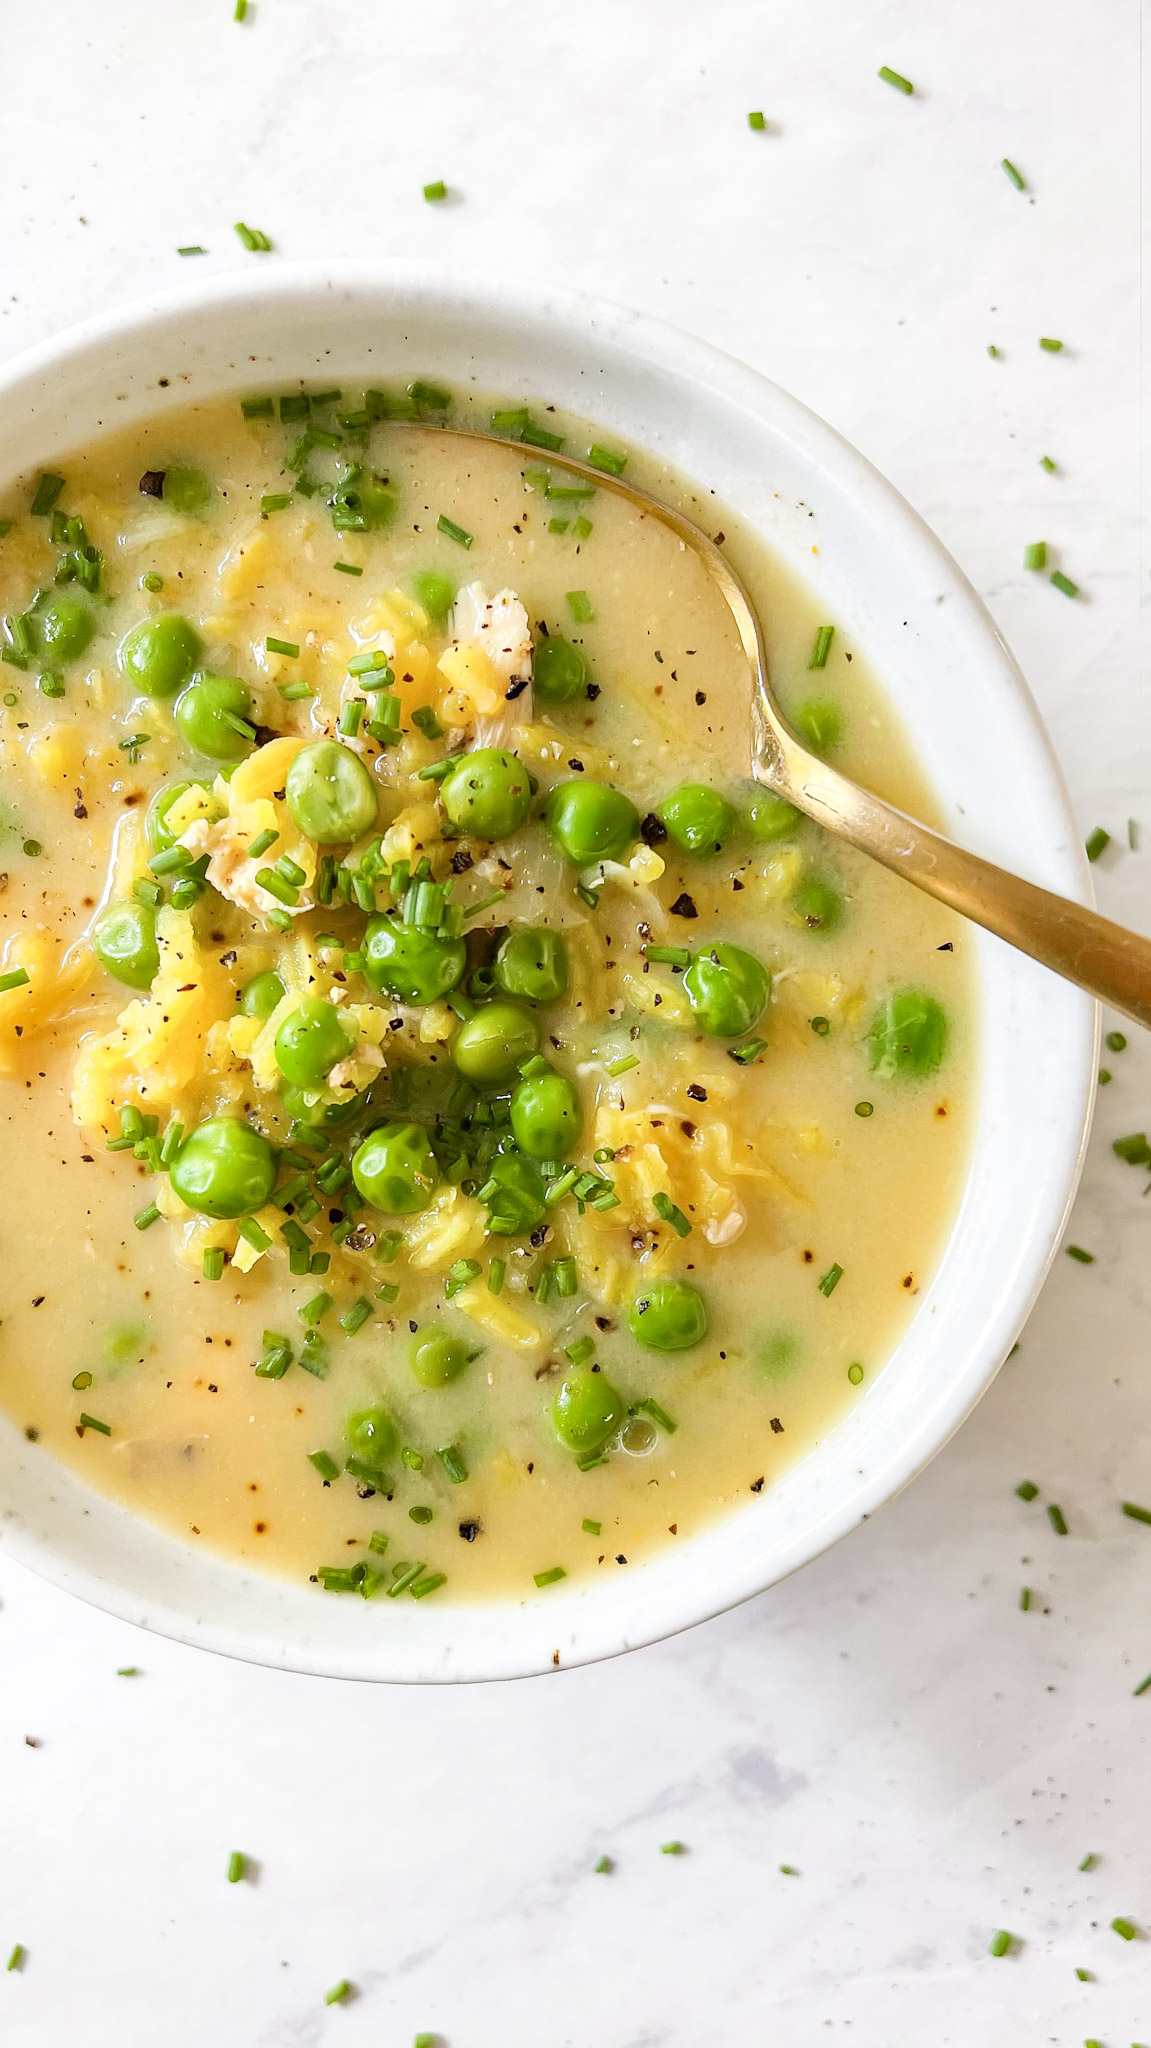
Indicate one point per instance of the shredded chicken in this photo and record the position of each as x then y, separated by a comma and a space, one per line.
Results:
232, 872
498, 625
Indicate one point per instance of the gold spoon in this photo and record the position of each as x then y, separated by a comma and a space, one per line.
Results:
1104, 958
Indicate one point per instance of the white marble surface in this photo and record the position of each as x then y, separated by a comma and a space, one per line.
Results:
934, 1762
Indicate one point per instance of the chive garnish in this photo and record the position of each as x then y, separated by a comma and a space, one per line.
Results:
254, 239
1135, 1513
237, 1864
1025, 1598
831, 1280
550, 1577
1124, 1928
1084, 1976
673, 1849
356, 1316
1065, 584
992, 350
1046, 463
144, 1218
1000, 1942
1026, 1489
16, 1959
540, 437
1076, 1251
452, 1461
756, 121
240, 11
605, 1863
339, 1993
821, 646
895, 78
1048, 342
325, 1466
657, 1414
855, 1374
1035, 555
347, 568
406, 1575
90, 1422
1135, 1149
48, 488
606, 459
1096, 842
428, 1585
1143, 1686
258, 408
591, 1528
17, 977
192, 249
282, 647
1014, 175
1115, 1041
580, 606
666, 1209
213, 1263
621, 1066
1089, 1861
747, 1054
1057, 1520
436, 190
454, 532
496, 1272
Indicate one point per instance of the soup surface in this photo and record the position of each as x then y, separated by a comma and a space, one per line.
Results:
458, 1133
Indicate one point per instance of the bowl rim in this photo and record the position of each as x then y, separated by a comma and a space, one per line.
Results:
696, 363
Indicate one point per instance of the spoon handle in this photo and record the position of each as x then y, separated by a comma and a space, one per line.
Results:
1106, 960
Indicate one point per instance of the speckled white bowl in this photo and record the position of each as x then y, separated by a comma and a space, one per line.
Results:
954, 683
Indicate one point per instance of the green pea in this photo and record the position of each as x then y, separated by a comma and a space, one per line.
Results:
302, 1108
372, 1434
437, 1358
156, 823
159, 655
587, 1411
488, 794
492, 1046
670, 1315
63, 627
395, 1169
516, 1199
262, 994
124, 941
224, 1168
908, 1035
820, 724
559, 671
767, 817
728, 989
411, 965
436, 593
186, 490
699, 820
546, 1116
532, 963
330, 794
818, 904
590, 821
310, 1041
204, 714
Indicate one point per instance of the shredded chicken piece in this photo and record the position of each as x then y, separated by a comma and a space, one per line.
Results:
498, 625
231, 872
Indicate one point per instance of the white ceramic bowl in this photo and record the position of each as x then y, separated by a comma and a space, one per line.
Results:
967, 708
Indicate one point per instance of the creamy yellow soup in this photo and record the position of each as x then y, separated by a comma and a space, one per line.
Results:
503, 1190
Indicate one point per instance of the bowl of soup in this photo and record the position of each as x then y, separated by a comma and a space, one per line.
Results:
486, 1185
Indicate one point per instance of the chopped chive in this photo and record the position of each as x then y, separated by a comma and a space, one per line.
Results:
591, 1528
992, 350
1133, 834
428, 1585
496, 1272
621, 1066
570, 491
1000, 1943
788, 1870
1057, 1519
1048, 342
436, 190
1015, 177
551, 1577
237, 1864
16, 1959
831, 1280
421, 1514
425, 718
821, 646
1126, 1929
1096, 842
347, 568
276, 1358
257, 408
1089, 1861
606, 459
558, 525
48, 488
747, 1054
452, 1461
460, 1276
895, 78
82, 1382
281, 646
673, 1849
1025, 1598
580, 606
540, 437
1135, 1149
144, 1218
664, 1207
1076, 1251
1046, 463
348, 722
605, 1863
1035, 555
1065, 584
90, 1422
1026, 1489
657, 1414
1135, 1513
378, 1542
582, 528
17, 977
756, 121
192, 249
1143, 1686
865, 1109
454, 532
511, 420
262, 842
325, 1466
1084, 1976
212, 1265
1115, 1042
254, 239
240, 11
238, 724
406, 1575
339, 1993
294, 693
356, 1316
388, 1245
669, 956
